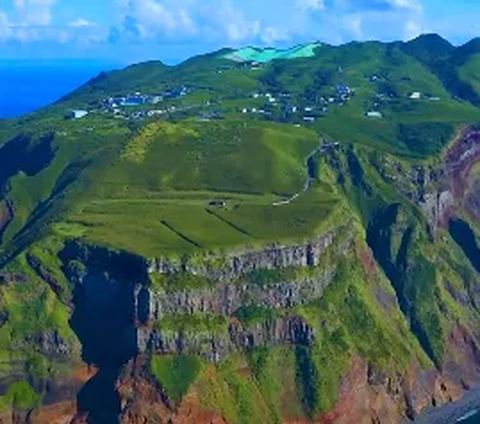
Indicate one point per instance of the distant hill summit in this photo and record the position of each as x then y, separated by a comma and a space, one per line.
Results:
253, 54
429, 48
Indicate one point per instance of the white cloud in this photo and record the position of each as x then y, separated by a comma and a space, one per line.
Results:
232, 22
353, 26
5, 27
311, 5
413, 28
82, 23
193, 20
150, 19
34, 12
271, 36
32, 21
406, 4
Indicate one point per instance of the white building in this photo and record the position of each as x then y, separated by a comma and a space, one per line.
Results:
373, 114
416, 95
78, 114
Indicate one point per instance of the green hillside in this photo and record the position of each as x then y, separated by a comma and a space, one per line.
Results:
300, 213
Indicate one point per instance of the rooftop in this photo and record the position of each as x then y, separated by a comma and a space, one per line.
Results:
252, 54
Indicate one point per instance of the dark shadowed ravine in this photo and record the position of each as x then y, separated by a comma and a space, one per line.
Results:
103, 323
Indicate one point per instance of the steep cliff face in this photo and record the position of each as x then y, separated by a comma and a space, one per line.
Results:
227, 299
301, 273
231, 266
216, 347
443, 188
452, 187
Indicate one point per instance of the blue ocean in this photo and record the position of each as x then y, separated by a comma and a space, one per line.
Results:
26, 86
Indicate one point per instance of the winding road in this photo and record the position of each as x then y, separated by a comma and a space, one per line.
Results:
310, 177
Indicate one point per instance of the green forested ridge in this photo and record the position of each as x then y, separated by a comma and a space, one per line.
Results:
206, 173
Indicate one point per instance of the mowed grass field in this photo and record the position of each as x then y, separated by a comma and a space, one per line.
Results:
175, 226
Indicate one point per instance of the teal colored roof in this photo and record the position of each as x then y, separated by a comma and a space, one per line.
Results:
252, 54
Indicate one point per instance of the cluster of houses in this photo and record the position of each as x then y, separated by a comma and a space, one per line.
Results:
138, 105
139, 99
282, 106
416, 95
297, 111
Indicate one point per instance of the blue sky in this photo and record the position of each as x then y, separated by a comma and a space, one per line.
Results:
126, 31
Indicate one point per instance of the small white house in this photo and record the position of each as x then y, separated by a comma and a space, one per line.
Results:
309, 109
309, 119
416, 95
374, 114
78, 114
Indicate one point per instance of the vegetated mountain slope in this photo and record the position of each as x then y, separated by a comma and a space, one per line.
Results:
429, 48
242, 242
450, 64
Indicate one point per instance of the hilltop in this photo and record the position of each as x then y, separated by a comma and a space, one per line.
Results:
248, 236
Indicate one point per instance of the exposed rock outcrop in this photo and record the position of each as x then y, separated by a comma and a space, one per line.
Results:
215, 347
436, 207
52, 345
231, 265
226, 299
458, 162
